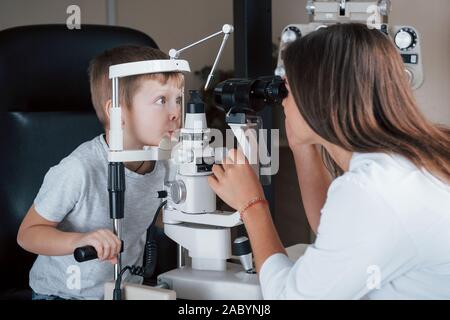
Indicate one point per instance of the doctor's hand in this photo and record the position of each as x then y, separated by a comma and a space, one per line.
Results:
235, 182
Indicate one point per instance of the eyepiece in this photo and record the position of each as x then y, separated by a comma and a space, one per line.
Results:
249, 96
195, 103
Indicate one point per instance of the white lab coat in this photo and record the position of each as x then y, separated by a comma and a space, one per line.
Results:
384, 233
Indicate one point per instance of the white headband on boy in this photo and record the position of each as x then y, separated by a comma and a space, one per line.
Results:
148, 66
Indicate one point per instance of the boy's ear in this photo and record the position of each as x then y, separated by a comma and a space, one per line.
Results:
106, 111
106, 107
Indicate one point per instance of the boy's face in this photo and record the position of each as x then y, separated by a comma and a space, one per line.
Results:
155, 113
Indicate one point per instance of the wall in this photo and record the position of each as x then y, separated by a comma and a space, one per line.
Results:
432, 19
24, 12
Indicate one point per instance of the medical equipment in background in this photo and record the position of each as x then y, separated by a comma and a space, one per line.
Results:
373, 13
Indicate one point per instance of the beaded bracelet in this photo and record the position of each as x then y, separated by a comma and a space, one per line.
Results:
252, 203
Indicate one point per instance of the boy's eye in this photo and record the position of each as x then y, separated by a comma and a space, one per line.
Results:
179, 100
161, 100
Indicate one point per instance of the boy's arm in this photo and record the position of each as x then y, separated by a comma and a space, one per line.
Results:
40, 236
35, 233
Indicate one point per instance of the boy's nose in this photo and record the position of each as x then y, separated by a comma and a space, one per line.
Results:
174, 115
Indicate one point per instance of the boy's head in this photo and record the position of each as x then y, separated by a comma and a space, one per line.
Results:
151, 103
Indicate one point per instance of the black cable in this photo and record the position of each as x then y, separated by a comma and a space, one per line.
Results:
151, 246
117, 293
155, 217
150, 255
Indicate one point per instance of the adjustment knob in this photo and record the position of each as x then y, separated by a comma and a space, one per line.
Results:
177, 191
242, 249
405, 39
290, 34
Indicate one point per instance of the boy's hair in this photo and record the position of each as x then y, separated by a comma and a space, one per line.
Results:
100, 83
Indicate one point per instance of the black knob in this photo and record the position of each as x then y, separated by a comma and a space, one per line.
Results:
241, 246
85, 253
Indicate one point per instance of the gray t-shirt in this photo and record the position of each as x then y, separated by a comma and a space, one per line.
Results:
75, 194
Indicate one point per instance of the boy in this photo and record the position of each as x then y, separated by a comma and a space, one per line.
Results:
71, 209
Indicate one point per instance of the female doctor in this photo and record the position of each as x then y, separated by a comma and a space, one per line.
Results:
382, 225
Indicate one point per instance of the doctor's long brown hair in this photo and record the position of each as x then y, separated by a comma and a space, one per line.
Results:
350, 85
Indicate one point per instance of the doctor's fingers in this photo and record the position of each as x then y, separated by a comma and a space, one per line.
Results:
236, 156
218, 171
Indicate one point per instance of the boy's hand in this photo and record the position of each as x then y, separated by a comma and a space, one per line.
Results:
105, 242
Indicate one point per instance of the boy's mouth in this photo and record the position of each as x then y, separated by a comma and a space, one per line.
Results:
172, 131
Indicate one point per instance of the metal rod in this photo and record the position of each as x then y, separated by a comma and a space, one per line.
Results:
115, 92
111, 9
118, 232
222, 46
180, 256
198, 42
183, 109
